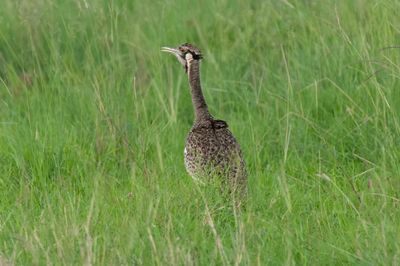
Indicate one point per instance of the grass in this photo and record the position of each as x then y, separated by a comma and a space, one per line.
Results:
93, 119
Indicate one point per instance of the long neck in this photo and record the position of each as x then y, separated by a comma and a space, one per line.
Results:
199, 103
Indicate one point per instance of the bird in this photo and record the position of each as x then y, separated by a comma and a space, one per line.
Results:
211, 150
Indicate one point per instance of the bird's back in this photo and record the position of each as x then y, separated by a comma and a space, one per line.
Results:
212, 150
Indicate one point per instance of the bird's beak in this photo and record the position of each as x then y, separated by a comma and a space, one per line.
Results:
171, 50
178, 54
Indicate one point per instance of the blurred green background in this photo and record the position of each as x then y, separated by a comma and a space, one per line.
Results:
93, 120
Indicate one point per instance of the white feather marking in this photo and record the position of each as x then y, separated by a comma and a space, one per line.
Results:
189, 57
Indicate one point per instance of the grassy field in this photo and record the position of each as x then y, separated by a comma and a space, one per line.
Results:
93, 120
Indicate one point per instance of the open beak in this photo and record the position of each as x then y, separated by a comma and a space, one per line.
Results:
178, 54
171, 50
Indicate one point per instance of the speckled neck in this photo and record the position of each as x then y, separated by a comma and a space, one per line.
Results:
198, 101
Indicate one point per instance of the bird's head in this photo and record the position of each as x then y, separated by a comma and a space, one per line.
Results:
185, 53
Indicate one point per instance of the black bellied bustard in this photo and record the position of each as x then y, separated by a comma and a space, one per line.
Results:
211, 150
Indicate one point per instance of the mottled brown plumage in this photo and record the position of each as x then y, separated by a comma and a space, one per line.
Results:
211, 150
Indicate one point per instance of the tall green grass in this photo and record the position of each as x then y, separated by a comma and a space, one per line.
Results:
93, 120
